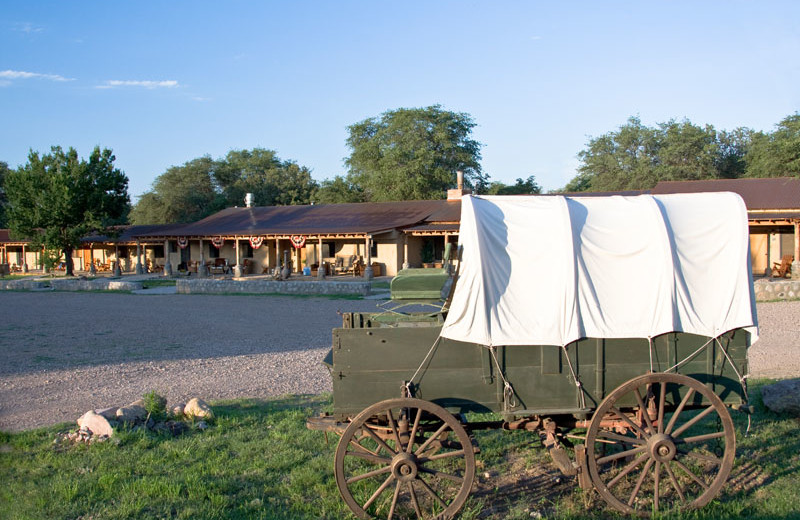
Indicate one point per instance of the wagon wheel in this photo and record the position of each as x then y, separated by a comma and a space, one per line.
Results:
673, 452
405, 458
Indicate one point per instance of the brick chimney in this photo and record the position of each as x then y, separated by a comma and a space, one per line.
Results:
457, 193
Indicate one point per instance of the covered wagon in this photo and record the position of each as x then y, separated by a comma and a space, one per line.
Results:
621, 321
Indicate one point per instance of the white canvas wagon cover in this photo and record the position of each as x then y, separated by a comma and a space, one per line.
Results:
549, 270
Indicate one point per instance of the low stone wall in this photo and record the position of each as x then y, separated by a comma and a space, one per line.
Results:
58, 284
208, 286
768, 289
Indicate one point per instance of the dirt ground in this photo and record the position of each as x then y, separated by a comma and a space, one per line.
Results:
62, 354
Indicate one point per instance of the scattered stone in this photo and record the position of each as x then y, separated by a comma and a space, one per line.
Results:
198, 408
96, 424
783, 396
201, 425
131, 413
177, 427
177, 410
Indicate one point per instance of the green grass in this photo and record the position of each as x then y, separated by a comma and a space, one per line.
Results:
166, 282
258, 460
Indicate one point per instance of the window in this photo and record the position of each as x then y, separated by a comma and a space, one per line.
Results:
373, 250
247, 250
213, 252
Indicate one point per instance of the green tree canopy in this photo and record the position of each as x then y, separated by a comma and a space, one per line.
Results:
203, 186
181, 194
776, 154
57, 198
338, 190
412, 154
528, 186
637, 157
4, 171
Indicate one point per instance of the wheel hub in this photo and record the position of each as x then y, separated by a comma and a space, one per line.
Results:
661, 447
404, 467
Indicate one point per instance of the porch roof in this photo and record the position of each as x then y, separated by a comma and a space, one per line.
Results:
777, 193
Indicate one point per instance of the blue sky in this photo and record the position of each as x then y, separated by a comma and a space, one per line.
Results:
162, 83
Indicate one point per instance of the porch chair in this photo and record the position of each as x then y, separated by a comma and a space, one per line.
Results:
783, 268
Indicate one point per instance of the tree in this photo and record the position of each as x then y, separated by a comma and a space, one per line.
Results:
637, 157
776, 154
4, 171
528, 186
338, 190
272, 182
412, 153
203, 186
181, 194
57, 199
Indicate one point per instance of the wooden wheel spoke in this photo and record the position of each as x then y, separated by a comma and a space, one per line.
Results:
396, 433
432, 493
643, 410
627, 420
441, 474
662, 398
369, 474
621, 438
378, 440
378, 492
362, 449
627, 469
414, 500
678, 410
691, 422
414, 428
674, 482
690, 474
640, 481
657, 482
371, 457
445, 455
700, 438
432, 438
621, 454
394, 499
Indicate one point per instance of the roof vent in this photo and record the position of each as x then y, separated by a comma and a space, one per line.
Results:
248, 200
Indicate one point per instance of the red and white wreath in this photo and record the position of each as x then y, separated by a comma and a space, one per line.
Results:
183, 242
298, 241
256, 242
217, 241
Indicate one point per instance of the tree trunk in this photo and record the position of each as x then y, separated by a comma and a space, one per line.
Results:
68, 261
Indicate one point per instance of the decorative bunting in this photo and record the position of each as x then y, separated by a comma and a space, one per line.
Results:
298, 241
217, 241
183, 242
256, 242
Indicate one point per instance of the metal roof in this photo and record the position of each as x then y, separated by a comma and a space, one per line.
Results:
758, 194
327, 219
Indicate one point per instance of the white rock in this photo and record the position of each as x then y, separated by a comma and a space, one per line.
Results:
95, 423
198, 408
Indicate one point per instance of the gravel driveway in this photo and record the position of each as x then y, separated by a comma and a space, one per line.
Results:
64, 353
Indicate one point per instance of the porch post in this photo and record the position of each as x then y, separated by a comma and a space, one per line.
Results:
237, 269
406, 265
796, 261
320, 261
201, 267
117, 268
24, 260
368, 274
92, 268
139, 269
278, 265
167, 263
